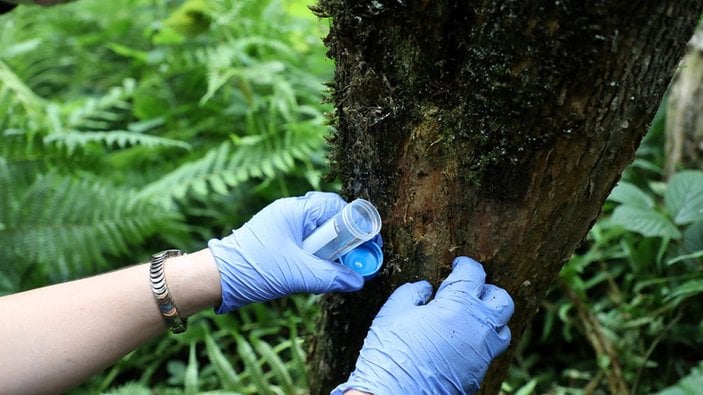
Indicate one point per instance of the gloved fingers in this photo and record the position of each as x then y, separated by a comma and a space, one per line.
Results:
345, 281
467, 277
499, 302
329, 276
318, 207
406, 296
504, 336
319, 195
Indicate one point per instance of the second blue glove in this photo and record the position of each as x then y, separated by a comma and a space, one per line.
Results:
443, 346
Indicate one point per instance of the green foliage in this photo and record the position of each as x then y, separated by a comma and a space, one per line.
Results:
257, 350
145, 124
689, 385
130, 126
683, 205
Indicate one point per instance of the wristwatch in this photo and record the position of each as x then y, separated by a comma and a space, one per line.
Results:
159, 288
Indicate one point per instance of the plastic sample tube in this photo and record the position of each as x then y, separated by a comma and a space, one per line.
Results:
358, 222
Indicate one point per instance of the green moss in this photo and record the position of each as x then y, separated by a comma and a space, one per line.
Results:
483, 81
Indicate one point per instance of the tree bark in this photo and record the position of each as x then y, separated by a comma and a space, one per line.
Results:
493, 129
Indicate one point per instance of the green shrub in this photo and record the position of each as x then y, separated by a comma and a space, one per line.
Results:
131, 126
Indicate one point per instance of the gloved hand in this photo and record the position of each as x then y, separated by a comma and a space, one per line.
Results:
263, 260
440, 347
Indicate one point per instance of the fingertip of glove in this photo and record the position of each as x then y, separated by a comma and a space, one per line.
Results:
504, 336
330, 196
348, 280
467, 269
465, 260
419, 292
498, 299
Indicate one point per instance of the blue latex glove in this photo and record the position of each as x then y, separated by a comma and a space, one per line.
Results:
440, 347
263, 260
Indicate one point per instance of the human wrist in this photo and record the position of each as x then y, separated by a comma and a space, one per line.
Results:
194, 282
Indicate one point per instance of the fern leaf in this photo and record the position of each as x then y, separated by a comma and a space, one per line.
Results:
225, 371
30, 102
76, 222
131, 388
249, 358
114, 138
274, 361
99, 112
228, 166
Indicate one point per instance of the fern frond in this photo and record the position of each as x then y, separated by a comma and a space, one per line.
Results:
98, 113
229, 165
113, 138
274, 361
22, 112
67, 226
131, 388
12, 85
223, 367
273, 47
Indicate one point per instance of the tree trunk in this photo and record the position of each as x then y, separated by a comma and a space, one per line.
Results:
493, 129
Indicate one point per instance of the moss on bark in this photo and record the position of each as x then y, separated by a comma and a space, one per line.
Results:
493, 129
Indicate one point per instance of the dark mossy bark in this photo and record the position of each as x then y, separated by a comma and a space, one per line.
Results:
493, 129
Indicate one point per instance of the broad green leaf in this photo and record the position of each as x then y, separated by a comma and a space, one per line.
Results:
684, 197
689, 288
680, 258
693, 237
689, 385
647, 165
658, 187
646, 222
630, 195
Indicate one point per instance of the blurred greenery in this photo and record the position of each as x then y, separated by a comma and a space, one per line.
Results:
131, 126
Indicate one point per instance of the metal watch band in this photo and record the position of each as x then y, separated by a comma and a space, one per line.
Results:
160, 290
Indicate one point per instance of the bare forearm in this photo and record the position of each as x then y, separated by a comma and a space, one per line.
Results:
63, 334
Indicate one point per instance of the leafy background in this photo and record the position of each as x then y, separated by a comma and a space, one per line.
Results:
131, 126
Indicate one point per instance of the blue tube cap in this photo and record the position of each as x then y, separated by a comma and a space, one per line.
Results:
365, 259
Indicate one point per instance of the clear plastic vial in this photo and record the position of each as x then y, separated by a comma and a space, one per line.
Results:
358, 222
